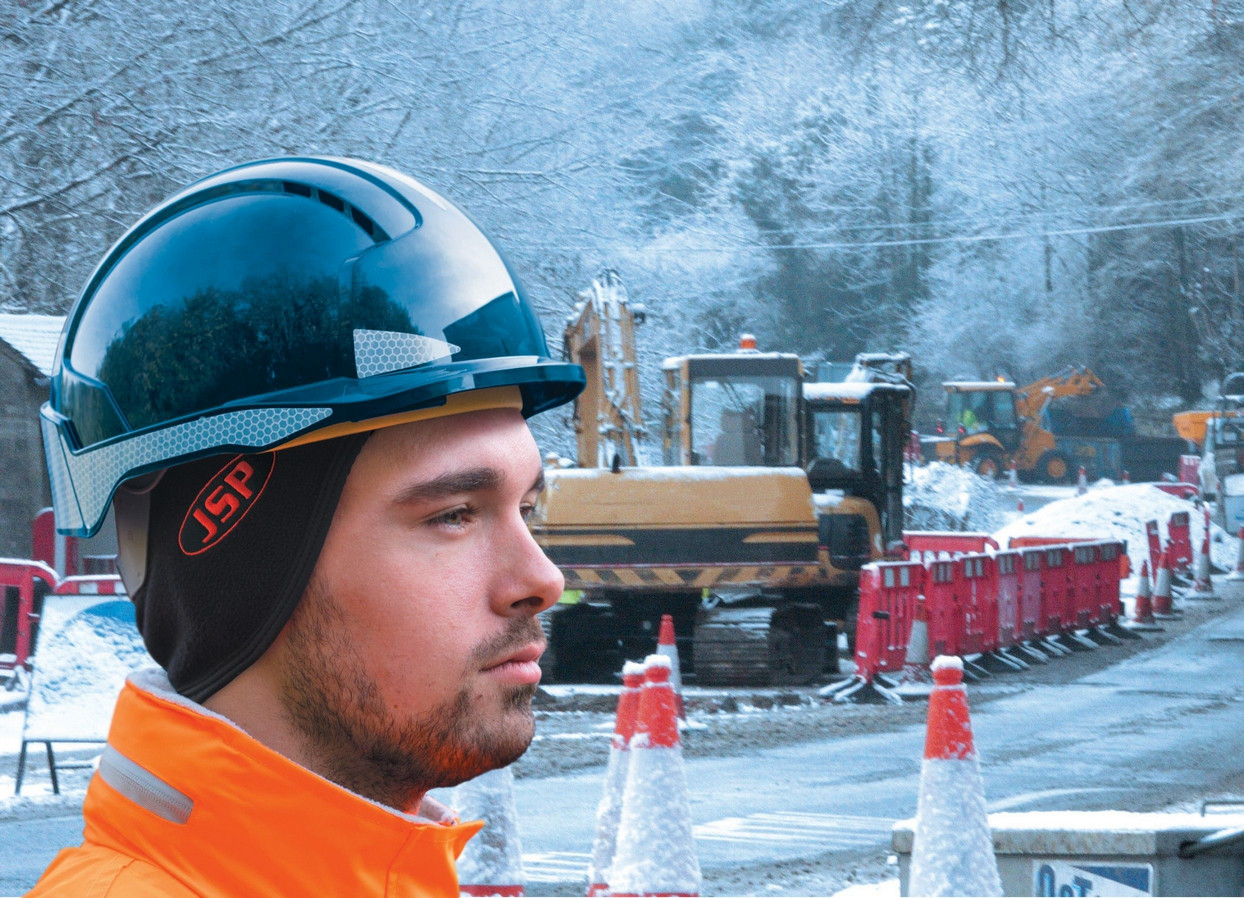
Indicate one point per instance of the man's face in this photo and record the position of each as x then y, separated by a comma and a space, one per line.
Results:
412, 659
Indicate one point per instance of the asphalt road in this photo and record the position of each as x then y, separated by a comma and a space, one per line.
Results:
1140, 735
1159, 727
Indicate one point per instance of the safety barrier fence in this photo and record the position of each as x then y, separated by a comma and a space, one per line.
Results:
982, 603
23, 584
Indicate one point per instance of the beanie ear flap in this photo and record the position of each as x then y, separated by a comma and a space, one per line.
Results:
231, 543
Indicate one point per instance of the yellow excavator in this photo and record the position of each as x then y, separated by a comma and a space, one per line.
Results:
747, 519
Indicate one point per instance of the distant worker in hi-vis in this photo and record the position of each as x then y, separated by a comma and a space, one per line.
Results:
303, 384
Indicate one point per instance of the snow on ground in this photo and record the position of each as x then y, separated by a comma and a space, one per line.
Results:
939, 496
1108, 511
887, 888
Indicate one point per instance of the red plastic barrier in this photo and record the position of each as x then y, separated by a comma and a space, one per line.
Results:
1057, 613
1109, 575
22, 575
92, 585
941, 604
978, 603
1028, 542
1007, 568
1155, 544
1189, 469
1182, 490
881, 642
952, 543
1179, 533
1082, 586
1032, 570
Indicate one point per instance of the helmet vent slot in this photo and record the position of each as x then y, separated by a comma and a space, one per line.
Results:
374, 231
333, 202
366, 224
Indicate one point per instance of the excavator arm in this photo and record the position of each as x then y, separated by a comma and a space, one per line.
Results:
600, 336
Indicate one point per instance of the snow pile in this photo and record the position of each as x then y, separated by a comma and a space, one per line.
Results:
494, 857
87, 647
946, 497
1120, 512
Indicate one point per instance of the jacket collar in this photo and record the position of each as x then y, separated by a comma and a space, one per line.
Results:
188, 791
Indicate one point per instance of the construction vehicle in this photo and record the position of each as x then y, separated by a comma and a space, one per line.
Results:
753, 549
1218, 434
1048, 429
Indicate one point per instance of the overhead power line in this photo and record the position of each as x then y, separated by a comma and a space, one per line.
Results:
922, 241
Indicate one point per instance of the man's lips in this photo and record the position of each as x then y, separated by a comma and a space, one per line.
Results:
520, 666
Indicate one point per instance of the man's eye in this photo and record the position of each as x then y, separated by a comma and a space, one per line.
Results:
455, 517
526, 509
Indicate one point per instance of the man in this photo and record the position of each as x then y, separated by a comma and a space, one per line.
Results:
306, 382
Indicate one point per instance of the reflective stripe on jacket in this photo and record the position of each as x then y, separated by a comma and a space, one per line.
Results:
185, 803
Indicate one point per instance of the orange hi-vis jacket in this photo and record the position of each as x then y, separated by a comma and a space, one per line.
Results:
186, 804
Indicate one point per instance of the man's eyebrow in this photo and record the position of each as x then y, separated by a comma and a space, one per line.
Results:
455, 483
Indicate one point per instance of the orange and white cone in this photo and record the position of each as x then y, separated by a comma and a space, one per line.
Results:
1163, 599
668, 646
1127, 478
1202, 584
1082, 482
656, 849
1012, 476
1142, 615
1019, 506
1238, 573
952, 852
492, 862
609, 811
915, 670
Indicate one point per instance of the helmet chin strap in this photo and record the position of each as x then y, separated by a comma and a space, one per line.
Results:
132, 510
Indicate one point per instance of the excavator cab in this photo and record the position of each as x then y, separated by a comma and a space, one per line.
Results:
736, 410
856, 433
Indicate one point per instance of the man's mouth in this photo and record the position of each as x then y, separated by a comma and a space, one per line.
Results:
520, 667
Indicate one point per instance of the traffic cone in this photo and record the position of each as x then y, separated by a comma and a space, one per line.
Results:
609, 811
1012, 476
1142, 615
1202, 584
656, 850
1238, 573
492, 862
915, 670
668, 646
1163, 602
1082, 482
1127, 478
1019, 506
952, 851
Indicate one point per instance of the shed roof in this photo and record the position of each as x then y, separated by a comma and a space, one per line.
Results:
34, 336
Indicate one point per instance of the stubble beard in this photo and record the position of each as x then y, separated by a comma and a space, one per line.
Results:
358, 743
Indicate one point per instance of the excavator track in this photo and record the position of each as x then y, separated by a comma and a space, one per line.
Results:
784, 646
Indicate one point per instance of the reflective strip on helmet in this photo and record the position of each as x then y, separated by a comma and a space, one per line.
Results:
83, 483
379, 352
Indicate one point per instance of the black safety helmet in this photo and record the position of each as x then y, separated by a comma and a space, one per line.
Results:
281, 301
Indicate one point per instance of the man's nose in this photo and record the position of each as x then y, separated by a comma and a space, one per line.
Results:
530, 582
